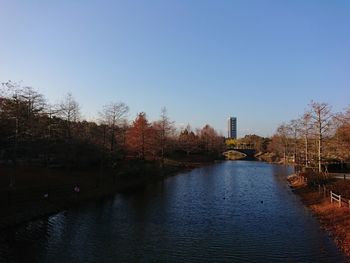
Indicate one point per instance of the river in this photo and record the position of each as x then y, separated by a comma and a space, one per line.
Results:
234, 211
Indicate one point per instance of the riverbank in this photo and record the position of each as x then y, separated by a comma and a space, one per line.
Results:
41, 192
335, 220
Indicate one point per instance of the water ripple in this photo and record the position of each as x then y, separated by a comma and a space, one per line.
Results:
229, 212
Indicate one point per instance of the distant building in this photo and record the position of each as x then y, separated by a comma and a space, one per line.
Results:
232, 128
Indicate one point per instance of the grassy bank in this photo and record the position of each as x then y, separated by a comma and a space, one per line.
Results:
335, 220
40, 191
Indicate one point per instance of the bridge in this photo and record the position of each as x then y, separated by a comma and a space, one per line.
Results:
240, 154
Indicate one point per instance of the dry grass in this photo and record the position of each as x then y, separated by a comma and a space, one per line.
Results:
334, 219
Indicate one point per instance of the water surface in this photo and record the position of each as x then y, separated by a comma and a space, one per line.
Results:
229, 212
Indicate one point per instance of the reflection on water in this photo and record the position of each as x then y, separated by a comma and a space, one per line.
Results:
229, 212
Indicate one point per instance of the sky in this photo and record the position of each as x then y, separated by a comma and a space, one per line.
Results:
260, 61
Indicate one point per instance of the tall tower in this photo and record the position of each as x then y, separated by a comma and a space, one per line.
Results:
232, 128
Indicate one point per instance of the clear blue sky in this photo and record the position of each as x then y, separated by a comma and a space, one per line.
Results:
261, 61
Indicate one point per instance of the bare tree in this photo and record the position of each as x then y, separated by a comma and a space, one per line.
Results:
340, 142
69, 111
293, 130
321, 115
34, 100
21, 110
113, 115
283, 133
35, 104
165, 128
10, 89
305, 130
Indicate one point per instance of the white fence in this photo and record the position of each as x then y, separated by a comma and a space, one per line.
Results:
335, 197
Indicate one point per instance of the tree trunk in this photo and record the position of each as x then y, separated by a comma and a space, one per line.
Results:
306, 152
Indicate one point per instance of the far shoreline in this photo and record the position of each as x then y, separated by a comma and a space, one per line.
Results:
44, 208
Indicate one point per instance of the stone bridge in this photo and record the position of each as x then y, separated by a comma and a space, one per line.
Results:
240, 154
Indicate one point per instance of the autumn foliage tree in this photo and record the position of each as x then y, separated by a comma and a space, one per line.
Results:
211, 142
140, 137
188, 141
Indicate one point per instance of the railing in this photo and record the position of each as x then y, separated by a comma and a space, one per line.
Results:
322, 189
335, 197
344, 176
325, 191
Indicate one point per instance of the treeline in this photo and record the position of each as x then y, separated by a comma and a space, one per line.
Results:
249, 141
35, 132
317, 139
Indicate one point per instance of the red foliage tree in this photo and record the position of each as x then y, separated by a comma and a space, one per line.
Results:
140, 137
